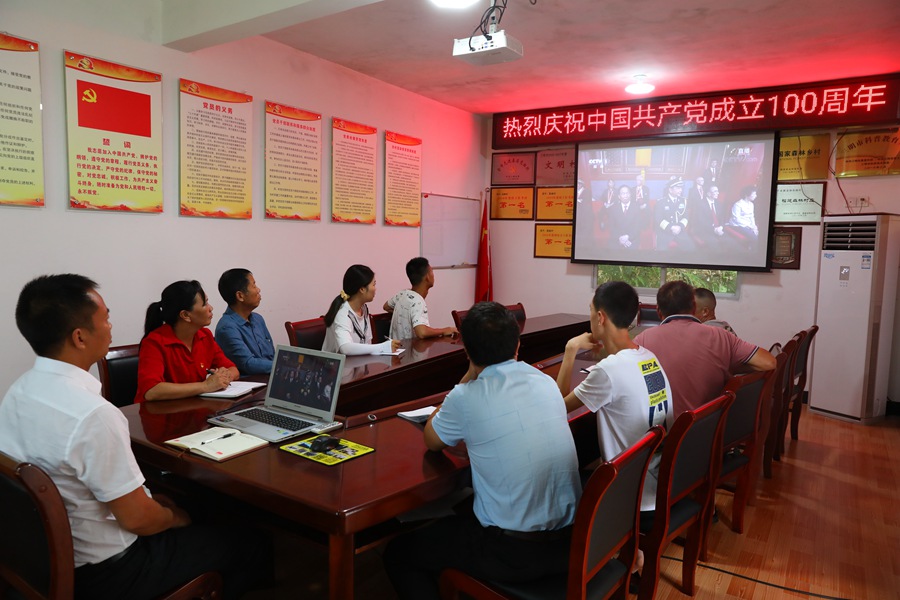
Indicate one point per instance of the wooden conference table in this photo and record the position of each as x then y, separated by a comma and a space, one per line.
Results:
343, 500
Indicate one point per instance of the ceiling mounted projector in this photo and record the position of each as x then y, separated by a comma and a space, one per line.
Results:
478, 50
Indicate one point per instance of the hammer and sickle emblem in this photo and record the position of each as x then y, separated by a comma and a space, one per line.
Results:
89, 95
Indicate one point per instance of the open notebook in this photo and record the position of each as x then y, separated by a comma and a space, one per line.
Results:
302, 395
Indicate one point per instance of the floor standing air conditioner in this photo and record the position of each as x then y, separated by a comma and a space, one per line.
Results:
851, 360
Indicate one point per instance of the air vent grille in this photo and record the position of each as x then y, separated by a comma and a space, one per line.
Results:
858, 235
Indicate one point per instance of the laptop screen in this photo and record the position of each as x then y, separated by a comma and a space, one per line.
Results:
306, 381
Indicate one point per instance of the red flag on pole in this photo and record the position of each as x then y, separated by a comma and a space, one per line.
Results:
484, 282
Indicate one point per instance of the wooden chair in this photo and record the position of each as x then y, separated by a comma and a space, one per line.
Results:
798, 385
36, 552
781, 389
118, 374
518, 311
648, 315
306, 334
688, 470
741, 441
604, 538
381, 326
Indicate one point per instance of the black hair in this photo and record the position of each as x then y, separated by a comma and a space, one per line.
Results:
417, 270
747, 190
675, 298
51, 307
490, 334
355, 278
177, 297
705, 294
231, 282
618, 300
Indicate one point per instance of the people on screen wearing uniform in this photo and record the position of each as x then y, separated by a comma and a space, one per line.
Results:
705, 311
127, 543
241, 333
347, 321
698, 359
409, 314
179, 356
524, 470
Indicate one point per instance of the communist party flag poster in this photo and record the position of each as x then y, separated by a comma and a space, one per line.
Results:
114, 124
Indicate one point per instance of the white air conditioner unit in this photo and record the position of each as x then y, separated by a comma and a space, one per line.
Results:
857, 294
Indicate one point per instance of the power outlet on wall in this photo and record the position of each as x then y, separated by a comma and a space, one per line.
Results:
858, 201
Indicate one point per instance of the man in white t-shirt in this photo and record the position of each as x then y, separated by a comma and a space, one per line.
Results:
410, 315
127, 543
628, 389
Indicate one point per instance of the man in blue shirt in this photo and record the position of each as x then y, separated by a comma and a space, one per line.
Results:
241, 333
524, 470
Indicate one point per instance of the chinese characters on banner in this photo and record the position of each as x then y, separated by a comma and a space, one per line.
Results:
402, 180
803, 157
553, 241
353, 172
555, 167
215, 152
21, 147
293, 163
860, 101
868, 153
114, 126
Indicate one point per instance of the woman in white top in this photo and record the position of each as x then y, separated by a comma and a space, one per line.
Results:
742, 217
347, 320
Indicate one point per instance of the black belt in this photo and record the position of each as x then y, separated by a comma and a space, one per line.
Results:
112, 559
546, 535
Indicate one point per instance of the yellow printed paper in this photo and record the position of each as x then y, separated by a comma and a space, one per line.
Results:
293, 163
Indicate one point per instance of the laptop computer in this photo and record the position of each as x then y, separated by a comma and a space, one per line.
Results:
302, 395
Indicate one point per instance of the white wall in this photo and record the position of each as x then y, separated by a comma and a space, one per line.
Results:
298, 265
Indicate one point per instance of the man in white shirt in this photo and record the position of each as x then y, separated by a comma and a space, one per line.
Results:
127, 544
409, 314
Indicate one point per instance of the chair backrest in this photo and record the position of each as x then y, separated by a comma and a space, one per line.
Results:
518, 311
750, 391
606, 523
118, 374
800, 363
381, 326
689, 458
36, 555
784, 384
647, 314
306, 334
458, 316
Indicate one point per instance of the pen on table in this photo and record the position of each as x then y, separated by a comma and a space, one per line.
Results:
221, 437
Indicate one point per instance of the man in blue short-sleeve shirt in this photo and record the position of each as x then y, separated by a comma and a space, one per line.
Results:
241, 333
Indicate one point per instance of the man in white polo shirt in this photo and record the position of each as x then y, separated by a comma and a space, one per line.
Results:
410, 315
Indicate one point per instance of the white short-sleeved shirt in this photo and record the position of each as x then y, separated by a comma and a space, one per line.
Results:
351, 334
409, 311
630, 393
54, 417
524, 466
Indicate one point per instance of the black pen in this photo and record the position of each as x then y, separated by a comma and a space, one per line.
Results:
221, 437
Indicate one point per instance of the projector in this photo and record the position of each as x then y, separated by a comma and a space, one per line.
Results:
500, 48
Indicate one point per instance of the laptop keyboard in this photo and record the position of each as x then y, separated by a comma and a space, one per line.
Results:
276, 420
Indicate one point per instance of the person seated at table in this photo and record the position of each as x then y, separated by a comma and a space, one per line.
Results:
698, 359
179, 356
524, 470
705, 311
628, 389
241, 333
127, 543
347, 320
409, 315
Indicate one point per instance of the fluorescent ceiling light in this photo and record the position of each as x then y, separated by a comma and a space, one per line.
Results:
453, 3
640, 85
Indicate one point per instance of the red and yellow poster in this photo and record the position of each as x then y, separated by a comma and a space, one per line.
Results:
512, 203
553, 240
555, 204
21, 146
215, 152
803, 157
353, 153
868, 153
293, 163
115, 135
402, 180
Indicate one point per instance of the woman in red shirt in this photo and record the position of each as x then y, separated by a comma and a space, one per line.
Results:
179, 356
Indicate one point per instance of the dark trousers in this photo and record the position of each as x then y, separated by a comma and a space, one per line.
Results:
159, 563
414, 561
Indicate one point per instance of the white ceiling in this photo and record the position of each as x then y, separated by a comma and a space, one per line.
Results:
585, 51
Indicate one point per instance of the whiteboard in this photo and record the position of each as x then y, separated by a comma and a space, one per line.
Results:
450, 231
